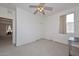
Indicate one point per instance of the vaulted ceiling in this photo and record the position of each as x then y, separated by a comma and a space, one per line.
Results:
57, 7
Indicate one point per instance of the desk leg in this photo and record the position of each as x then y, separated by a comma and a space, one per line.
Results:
70, 47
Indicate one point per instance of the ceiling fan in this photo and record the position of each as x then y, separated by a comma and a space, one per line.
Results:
41, 8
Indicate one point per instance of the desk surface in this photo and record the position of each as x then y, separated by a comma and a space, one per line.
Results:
75, 44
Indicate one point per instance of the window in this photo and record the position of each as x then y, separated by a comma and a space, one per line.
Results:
70, 23
66, 24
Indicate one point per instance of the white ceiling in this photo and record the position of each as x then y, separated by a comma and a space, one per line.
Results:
57, 7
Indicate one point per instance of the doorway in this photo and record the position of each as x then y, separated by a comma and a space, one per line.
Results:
5, 31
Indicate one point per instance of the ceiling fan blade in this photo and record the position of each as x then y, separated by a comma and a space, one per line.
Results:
32, 6
48, 8
43, 12
35, 11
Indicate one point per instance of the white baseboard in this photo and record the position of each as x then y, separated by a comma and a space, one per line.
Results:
58, 41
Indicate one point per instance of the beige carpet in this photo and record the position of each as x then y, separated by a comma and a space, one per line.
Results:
41, 47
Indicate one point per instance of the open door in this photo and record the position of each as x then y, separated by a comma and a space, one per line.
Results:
6, 32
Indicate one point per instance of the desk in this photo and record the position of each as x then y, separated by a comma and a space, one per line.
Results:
73, 41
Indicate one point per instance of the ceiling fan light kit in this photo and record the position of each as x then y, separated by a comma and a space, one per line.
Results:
40, 9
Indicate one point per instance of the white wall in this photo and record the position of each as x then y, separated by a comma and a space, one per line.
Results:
52, 26
29, 27
7, 12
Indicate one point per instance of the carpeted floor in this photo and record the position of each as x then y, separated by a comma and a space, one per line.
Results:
40, 47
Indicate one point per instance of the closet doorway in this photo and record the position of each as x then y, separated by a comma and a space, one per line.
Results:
5, 31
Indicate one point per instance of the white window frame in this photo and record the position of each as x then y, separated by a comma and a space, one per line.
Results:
68, 31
